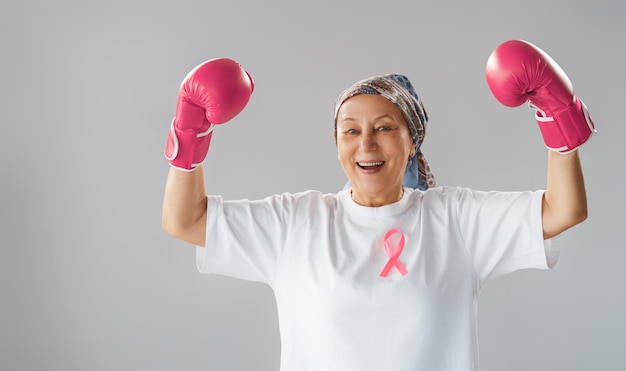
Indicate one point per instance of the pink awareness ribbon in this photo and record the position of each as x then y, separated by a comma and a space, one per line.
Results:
393, 253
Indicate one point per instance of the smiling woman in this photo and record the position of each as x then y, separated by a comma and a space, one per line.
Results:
380, 124
374, 146
385, 274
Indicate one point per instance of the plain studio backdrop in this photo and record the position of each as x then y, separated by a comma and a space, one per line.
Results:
88, 279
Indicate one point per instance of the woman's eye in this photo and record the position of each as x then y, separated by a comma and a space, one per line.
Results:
384, 128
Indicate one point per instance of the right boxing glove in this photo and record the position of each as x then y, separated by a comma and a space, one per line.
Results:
518, 71
212, 93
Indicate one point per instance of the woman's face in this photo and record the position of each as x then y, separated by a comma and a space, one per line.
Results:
374, 145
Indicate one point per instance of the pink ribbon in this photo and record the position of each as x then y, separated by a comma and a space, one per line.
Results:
393, 253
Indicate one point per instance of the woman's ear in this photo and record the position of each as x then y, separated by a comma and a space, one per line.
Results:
412, 152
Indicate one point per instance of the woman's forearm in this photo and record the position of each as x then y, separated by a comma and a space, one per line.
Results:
565, 199
184, 206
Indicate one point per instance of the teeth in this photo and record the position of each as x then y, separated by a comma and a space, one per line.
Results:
365, 164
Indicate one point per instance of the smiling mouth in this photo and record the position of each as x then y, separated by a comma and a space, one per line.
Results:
370, 165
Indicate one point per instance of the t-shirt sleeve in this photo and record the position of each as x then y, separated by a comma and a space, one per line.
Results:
244, 239
503, 232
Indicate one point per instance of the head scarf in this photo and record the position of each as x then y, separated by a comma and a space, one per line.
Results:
399, 90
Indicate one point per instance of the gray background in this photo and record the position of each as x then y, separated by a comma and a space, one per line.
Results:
88, 279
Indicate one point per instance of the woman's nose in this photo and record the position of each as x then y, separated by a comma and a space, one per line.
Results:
368, 142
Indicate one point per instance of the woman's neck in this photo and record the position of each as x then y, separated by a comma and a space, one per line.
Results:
376, 200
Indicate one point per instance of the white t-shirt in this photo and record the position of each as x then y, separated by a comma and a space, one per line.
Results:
322, 254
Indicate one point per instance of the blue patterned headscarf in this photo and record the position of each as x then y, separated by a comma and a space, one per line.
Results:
399, 90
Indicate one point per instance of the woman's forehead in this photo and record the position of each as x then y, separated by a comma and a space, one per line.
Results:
369, 105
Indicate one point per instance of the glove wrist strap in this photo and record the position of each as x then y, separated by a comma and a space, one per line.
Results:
567, 129
186, 150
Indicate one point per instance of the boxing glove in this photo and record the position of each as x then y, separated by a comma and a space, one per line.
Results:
212, 93
518, 72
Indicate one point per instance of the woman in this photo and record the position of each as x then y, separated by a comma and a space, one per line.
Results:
385, 274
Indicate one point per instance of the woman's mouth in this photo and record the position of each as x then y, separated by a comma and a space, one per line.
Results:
370, 165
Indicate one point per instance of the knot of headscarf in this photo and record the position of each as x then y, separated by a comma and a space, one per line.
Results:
399, 90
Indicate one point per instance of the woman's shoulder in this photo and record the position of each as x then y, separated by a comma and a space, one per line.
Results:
462, 195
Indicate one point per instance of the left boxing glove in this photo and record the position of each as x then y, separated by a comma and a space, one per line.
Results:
518, 71
212, 93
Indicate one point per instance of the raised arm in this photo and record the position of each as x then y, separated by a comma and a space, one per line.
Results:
518, 72
212, 93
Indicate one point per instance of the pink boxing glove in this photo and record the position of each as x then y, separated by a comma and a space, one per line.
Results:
518, 71
212, 93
